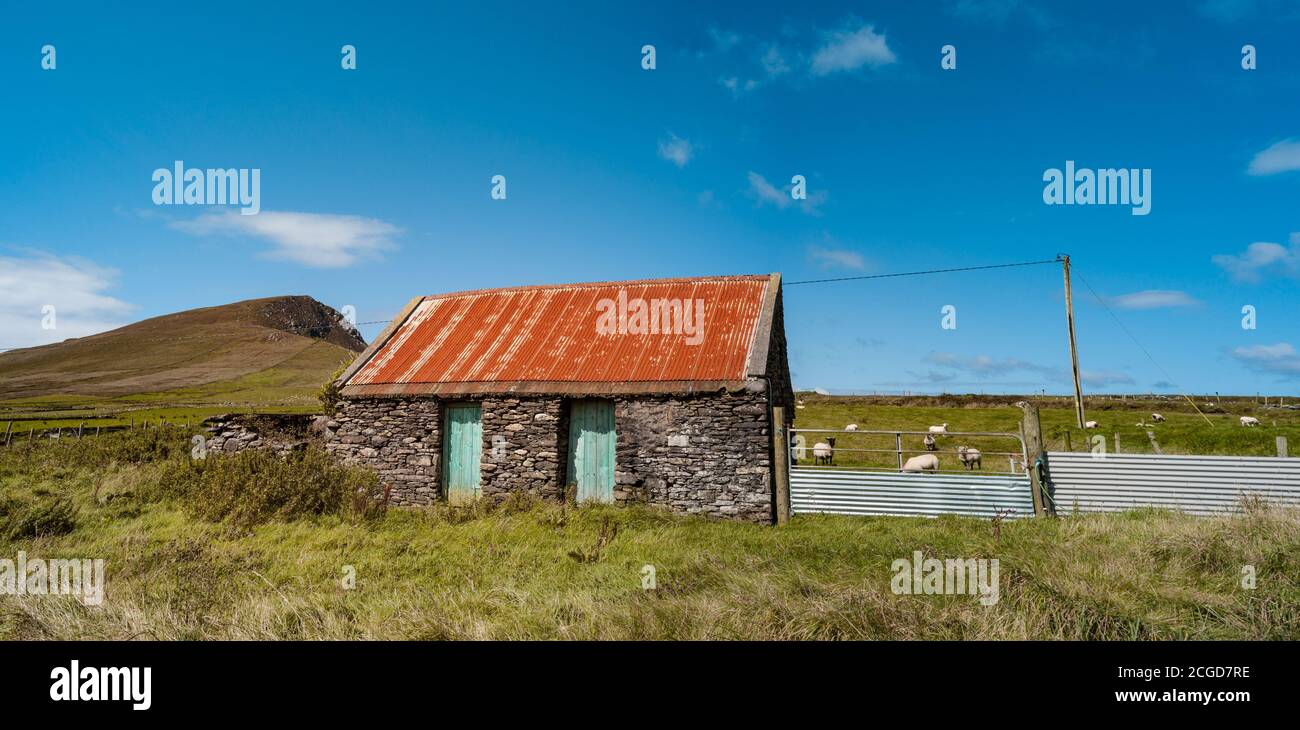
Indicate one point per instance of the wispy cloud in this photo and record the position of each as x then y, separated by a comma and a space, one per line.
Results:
766, 193
830, 258
851, 47
676, 150
1280, 359
1153, 299
76, 288
1261, 259
984, 367
320, 240
1281, 157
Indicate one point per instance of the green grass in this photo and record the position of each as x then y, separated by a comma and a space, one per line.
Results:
545, 571
1185, 431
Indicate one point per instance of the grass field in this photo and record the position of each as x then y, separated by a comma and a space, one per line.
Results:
1216, 430
267, 557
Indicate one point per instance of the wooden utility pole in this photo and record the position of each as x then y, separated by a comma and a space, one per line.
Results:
781, 455
1035, 451
1074, 348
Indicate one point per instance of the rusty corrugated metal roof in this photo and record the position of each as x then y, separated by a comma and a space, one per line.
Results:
548, 339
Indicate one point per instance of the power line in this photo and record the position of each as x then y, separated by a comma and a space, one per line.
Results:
920, 273
1144, 350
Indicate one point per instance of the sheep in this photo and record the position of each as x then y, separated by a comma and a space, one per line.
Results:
1250, 421
939, 429
851, 427
824, 452
1157, 418
922, 462
930, 445
1089, 424
969, 457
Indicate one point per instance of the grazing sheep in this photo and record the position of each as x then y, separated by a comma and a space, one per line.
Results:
1157, 418
922, 462
851, 427
1089, 424
930, 445
1249, 421
824, 452
969, 457
939, 429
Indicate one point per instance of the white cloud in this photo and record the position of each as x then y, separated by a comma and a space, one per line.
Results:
1153, 299
1280, 358
837, 258
676, 150
1281, 157
320, 240
767, 193
848, 49
74, 287
1262, 258
774, 62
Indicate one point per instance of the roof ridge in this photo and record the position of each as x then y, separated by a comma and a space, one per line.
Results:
598, 284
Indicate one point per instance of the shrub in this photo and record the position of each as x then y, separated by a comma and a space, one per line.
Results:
329, 393
256, 486
44, 519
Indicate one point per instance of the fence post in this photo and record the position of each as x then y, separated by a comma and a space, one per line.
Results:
79, 427
1281, 447
1033, 431
898, 444
8, 430
1117, 443
781, 455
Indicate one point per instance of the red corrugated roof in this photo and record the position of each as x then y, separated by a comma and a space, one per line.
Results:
549, 335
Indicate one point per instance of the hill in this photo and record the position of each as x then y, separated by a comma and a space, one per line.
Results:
270, 351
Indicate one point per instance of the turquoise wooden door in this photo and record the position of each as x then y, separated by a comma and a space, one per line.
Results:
462, 447
591, 449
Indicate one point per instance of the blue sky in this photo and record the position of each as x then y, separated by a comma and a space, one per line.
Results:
375, 182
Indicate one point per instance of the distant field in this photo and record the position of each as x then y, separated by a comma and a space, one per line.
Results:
1184, 432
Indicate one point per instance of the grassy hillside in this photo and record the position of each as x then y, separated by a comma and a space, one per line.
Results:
192, 553
262, 354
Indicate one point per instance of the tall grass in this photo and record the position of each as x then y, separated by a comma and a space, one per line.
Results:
251, 548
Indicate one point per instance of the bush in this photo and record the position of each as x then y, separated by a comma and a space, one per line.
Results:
44, 519
256, 486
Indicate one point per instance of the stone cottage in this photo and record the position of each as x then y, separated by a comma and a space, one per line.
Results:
657, 391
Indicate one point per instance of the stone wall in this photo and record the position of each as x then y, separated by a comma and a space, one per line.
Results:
279, 433
704, 454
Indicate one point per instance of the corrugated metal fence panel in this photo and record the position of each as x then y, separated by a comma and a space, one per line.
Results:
1203, 485
846, 492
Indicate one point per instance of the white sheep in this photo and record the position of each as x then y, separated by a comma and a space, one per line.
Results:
1250, 421
939, 429
1157, 418
970, 457
824, 452
1089, 424
922, 462
851, 427
930, 444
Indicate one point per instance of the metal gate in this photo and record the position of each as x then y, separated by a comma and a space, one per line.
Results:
861, 485
1202, 485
